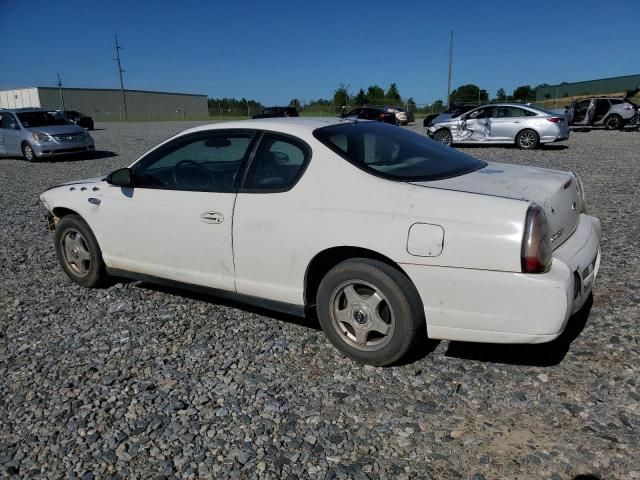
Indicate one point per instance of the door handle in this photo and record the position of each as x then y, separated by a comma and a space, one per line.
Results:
212, 217
517, 121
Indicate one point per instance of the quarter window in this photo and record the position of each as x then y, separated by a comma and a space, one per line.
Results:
206, 162
278, 164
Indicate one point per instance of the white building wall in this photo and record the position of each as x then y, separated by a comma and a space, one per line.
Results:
19, 98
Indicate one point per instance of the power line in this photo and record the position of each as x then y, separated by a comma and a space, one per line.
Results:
450, 64
61, 95
120, 72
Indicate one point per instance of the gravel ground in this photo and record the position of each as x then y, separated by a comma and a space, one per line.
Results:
134, 381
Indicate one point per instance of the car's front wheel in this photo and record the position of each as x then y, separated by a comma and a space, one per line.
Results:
370, 311
28, 153
78, 252
443, 136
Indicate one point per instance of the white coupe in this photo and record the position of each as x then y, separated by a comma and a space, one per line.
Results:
385, 233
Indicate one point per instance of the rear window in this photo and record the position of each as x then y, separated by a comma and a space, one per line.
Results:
395, 153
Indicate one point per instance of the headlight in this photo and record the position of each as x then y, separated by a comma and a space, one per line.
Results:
42, 137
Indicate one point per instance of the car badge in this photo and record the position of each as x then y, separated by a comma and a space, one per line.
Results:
557, 235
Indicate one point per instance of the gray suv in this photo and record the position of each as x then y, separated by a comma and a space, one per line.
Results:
34, 133
612, 113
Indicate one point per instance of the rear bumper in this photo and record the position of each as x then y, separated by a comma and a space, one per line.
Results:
505, 307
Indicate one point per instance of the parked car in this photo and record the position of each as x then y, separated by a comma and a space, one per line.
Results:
274, 112
524, 125
612, 113
454, 111
371, 113
76, 117
403, 116
34, 133
383, 232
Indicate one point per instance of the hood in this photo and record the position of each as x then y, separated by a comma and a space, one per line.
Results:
57, 129
555, 191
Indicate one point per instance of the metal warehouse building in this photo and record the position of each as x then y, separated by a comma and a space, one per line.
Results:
602, 86
105, 104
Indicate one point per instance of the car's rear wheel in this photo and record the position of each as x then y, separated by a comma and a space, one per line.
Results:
370, 311
443, 136
78, 252
613, 122
527, 139
28, 153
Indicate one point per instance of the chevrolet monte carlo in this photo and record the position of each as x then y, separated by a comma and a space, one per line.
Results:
386, 234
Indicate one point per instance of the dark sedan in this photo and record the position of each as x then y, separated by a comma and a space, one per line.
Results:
275, 112
370, 113
76, 117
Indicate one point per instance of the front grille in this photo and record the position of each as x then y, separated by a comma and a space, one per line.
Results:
69, 137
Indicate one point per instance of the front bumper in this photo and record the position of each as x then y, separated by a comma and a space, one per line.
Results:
507, 307
52, 149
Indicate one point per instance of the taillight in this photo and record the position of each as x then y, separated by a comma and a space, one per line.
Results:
555, 119
536, 253
382, 116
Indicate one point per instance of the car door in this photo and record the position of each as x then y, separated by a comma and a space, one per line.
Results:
11, 135
580, 111
175, 221
506, 123
600, 109
3, 150
268, 206
476, 125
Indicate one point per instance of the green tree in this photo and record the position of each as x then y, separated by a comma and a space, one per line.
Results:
341, 96
392, 95
376, 96
524, 93
361, 98
469, 93
411, 105
294, 103
501, 95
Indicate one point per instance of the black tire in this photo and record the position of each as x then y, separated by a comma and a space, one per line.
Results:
400, 306
28, 153
527, 139
66, 231
614, 122
443, 136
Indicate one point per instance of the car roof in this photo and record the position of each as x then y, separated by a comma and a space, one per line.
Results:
291, 125
21, 110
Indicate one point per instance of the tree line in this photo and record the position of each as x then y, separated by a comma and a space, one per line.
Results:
375, 95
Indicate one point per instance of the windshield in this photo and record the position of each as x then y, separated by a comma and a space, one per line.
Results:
395, 153
40, 119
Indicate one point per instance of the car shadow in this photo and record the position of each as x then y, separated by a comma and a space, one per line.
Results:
539, 355
553, 146
310, 320
78, 157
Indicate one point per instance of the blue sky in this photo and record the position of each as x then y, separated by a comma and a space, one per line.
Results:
274, 51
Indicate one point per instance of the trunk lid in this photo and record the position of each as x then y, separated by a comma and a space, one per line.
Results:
557, 192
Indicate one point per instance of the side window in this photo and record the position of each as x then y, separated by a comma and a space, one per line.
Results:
509, 112
8, 122
486, 112
616, 101
278, 163
203, 162
2, 115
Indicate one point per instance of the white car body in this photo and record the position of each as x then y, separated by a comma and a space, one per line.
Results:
459, 240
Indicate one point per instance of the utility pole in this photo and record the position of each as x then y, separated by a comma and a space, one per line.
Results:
61, 95
120, 72
450, 63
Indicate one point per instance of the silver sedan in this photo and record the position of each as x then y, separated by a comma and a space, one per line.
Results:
526, 126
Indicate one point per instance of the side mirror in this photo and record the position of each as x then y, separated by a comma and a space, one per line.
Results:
120, 178
14, 126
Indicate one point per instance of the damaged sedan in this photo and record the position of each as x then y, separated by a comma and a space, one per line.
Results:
386, 235
525, 126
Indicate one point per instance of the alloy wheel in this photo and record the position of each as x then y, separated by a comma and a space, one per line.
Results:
362, 315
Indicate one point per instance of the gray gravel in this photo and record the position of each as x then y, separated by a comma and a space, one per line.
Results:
134, 381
